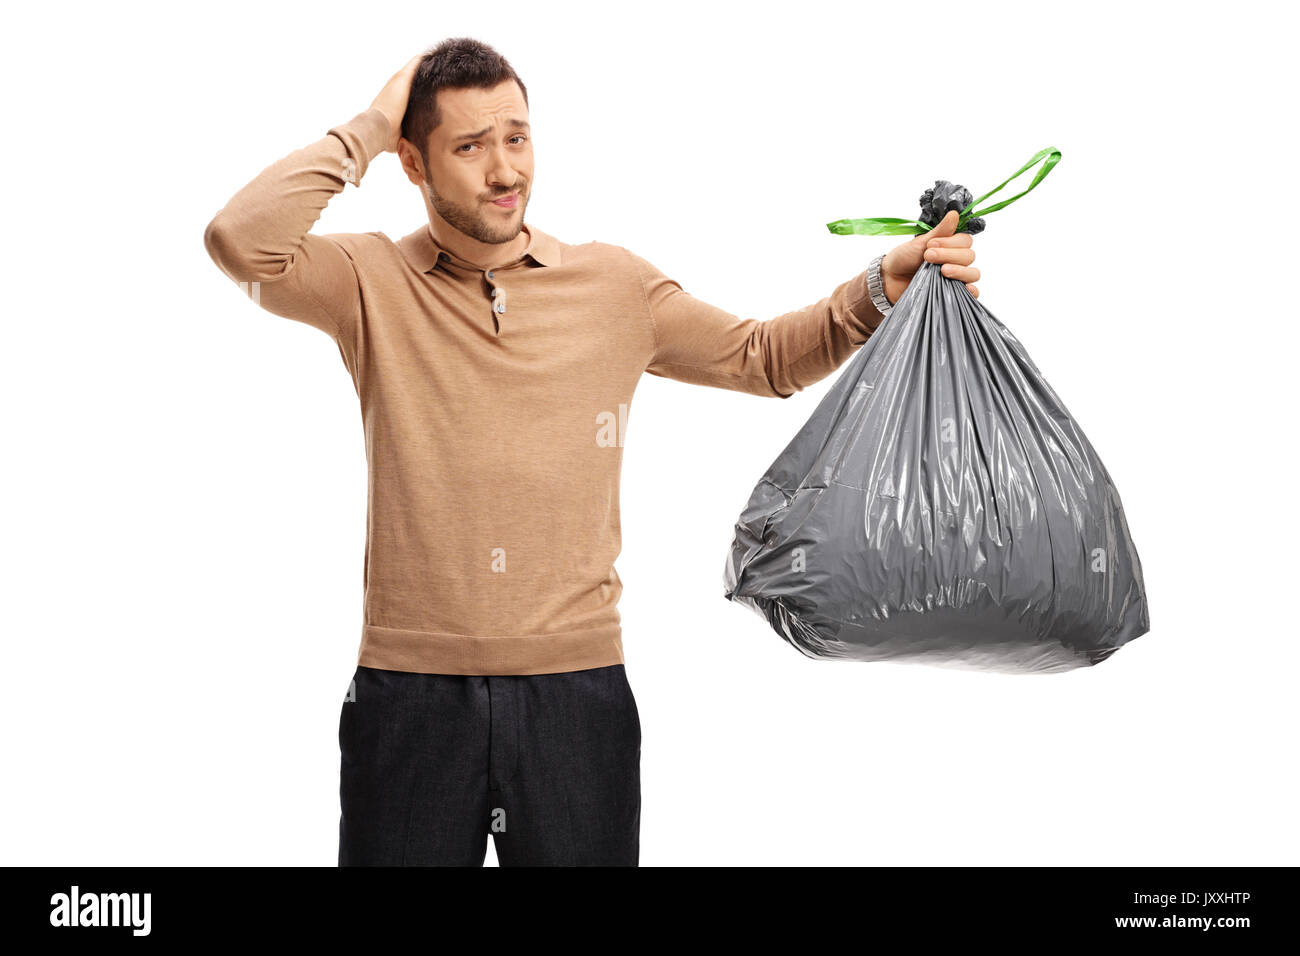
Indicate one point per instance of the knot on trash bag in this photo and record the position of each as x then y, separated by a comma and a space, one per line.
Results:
943, 198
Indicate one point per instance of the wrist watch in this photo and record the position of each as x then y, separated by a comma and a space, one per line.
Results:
876, 286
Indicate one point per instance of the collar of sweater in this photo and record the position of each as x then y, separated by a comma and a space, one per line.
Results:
424, 253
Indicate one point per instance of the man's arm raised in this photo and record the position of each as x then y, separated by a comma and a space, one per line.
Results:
262, 237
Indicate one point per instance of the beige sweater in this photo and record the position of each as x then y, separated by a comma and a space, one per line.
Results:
495, 404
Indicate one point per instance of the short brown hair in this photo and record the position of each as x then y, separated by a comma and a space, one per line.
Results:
458, 63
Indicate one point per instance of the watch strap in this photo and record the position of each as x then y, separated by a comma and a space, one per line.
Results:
876, 286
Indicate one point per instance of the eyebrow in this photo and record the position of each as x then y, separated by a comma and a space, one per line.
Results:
512, 123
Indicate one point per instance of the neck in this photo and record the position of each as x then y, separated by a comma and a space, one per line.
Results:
486, 255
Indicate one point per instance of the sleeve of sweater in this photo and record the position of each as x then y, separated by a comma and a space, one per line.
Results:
262, 237
704, 345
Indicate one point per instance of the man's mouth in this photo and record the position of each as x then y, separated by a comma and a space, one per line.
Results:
507, 201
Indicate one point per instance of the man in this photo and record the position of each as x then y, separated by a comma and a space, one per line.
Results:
495, 366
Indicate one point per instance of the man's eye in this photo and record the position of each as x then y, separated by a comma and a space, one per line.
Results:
459, 148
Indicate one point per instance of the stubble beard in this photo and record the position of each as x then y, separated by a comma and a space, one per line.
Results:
474, 222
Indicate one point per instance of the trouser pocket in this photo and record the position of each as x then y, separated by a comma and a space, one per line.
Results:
631, 705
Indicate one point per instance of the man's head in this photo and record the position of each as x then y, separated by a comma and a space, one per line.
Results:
465, 145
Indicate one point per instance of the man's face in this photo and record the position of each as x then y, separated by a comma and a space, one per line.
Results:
481, 151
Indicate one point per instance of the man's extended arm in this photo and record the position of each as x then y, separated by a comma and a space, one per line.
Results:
262, 235
702, 344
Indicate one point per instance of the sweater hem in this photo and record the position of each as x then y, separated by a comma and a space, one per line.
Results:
433, 652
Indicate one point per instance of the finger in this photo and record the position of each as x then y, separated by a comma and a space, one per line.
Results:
960, 239
972, 290
962, 257
946, 227
964, 273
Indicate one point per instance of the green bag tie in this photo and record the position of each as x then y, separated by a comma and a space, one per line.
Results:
885, 226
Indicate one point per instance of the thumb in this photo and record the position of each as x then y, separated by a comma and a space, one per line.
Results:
947, 226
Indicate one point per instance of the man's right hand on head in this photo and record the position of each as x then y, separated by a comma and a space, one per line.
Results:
392, 100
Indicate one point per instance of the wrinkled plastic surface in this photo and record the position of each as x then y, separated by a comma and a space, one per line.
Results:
941, 506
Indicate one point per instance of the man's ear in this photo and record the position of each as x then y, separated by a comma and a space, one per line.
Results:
411, 160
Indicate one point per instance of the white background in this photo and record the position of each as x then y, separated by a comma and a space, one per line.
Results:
184, 489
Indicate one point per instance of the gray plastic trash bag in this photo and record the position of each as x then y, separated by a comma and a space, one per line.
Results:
941, 506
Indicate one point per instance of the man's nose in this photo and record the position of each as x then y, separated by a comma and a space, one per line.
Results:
503, 174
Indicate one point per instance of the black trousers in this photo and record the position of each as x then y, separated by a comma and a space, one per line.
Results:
548, 764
